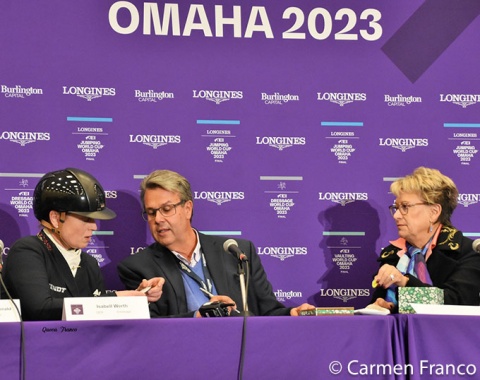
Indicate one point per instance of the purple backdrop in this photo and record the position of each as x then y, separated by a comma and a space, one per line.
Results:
290, 118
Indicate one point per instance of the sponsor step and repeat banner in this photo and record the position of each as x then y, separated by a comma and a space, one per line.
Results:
290, 119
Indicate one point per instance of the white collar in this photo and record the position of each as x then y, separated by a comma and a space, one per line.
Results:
71, 256
196, 256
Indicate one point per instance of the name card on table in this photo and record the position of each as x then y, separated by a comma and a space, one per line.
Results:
8, 312
104, 308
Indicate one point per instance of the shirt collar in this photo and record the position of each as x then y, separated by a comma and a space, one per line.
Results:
71, 256
196, 256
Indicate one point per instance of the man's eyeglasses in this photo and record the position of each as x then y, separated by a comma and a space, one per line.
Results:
403, 208
166, 210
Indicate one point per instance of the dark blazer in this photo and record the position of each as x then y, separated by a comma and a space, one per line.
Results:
453, 266
36, 273
158, 261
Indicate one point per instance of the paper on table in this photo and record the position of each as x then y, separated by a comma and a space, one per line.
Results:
445, 309
372, 310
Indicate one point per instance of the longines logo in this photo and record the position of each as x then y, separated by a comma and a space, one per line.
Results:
152, 96
24, 138
155, 140
280, 142
278, 98
89, 130
341, 98
463, 100
465, 135
19, 91
282, 253
282, 295
403, 144
217, 96
219, 197
468, 199
88, 93
344, 294
400, 100
342, 198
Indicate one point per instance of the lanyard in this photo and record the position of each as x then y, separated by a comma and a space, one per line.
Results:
205, 286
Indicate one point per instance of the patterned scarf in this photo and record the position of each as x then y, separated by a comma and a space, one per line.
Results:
413, 263
417, 266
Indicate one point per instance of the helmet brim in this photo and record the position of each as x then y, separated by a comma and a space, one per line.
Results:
105, 214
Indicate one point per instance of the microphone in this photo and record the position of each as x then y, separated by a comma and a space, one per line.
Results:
231, 246
476, 245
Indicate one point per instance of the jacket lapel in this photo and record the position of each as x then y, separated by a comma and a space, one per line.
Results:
61, 265
442, 263
168, 267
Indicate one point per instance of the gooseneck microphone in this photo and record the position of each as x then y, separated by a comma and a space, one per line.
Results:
231, 246
476, 245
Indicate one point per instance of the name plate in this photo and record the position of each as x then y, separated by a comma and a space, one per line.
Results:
104, 308
8, 312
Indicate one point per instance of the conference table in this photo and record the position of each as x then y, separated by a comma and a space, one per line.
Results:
320, 347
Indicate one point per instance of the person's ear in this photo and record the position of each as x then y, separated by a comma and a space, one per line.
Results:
188, 209
436, 210
54, 217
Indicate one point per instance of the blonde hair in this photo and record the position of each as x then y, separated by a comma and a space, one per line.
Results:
433, 187
167, 180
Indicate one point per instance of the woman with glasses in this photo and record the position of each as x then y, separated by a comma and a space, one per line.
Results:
429, 250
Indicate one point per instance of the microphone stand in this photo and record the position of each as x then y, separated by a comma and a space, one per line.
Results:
244, 279
243, 276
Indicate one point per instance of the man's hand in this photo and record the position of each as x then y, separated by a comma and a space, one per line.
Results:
304, 306
152, 288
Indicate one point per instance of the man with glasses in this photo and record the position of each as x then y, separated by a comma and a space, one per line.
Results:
195, 266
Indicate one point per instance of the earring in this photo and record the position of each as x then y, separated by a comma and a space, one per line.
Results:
431, 227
